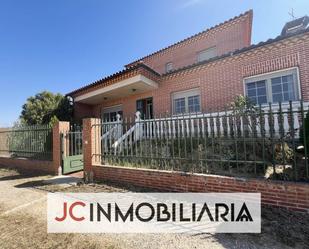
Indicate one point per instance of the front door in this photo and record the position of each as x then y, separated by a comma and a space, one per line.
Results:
145, 107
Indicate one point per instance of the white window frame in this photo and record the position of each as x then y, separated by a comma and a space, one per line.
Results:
210, 49
268, 76
167, 70
185, 94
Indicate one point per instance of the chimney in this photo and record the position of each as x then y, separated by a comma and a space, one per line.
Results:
295, 25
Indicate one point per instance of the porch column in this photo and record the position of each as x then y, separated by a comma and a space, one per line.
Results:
91, 146
58, 128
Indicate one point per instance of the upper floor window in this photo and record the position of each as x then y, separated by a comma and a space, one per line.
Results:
207, 54
186, 101
274, 87
168, 67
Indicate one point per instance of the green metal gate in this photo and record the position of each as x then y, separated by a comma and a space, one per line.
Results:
72, 151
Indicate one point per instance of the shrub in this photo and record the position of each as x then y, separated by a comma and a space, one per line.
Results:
304, 141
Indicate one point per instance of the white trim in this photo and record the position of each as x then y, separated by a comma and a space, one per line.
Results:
119, 84
263, 76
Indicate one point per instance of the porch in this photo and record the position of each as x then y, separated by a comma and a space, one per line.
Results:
108, 94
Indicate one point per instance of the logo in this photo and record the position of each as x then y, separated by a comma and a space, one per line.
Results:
154, 212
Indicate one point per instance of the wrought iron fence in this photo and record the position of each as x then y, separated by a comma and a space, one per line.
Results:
72, 141
26, 141
262, 142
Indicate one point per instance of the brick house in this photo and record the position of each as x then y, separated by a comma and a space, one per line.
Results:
204, 73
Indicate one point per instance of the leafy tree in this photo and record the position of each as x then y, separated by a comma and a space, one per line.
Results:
45, 107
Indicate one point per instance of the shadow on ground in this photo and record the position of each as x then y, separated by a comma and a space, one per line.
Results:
11, 174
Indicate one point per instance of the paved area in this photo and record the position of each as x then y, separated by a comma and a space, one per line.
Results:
63, 181
23, 221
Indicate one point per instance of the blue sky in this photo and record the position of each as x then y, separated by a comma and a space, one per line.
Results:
61, 45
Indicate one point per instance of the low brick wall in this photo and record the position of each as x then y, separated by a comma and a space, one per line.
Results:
290, 195
29, 165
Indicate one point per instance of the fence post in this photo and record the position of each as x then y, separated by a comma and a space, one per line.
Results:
58, 128
138, 125
91, 146
119, 128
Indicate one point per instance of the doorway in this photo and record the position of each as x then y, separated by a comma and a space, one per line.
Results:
145, 107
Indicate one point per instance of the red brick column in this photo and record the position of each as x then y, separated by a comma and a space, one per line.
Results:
58, 128
91, 145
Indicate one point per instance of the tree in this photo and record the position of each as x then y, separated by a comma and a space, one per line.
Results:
45, 107
242, 105
243, 108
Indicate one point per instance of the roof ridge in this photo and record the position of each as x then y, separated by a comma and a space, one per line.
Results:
250, 11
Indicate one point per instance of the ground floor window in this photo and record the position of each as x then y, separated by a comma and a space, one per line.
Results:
274, 87
186, 101
109, 114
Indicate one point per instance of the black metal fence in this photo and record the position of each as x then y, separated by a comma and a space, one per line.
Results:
22, 141
72, 141
265, 141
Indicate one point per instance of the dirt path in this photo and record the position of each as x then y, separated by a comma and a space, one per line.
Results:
23, 223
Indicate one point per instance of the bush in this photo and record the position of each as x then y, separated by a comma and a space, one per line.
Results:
304, 141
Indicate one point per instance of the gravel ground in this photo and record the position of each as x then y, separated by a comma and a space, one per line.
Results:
23, 223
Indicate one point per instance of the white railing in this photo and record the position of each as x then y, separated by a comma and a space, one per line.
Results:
267, 121
133, 134
112, 131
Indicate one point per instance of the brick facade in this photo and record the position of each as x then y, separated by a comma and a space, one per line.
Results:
221, 80
289, 195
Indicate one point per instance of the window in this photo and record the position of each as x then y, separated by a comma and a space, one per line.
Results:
168, 67
275, 87
194, 103
109, 114
256, 91
283, 88
180, 105
186, 101
207, 54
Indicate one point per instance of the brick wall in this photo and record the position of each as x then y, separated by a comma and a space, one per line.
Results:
293, 196
82, 111
228, 36
220, 81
